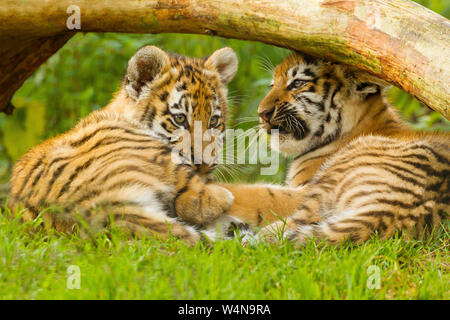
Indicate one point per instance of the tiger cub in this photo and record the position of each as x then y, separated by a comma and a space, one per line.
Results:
117, 162
360, 170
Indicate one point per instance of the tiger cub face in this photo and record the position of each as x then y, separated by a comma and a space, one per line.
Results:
313, 102
173, 95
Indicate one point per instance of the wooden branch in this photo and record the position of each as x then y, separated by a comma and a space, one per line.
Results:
19, 62
397, 40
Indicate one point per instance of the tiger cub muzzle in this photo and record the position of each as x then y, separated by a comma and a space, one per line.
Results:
284, 119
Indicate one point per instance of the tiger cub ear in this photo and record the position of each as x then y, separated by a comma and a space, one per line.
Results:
366, 84
225, 62
144, 67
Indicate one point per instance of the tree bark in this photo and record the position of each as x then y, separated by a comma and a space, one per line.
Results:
397, 40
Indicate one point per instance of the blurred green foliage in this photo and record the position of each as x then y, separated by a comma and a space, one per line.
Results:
83, 75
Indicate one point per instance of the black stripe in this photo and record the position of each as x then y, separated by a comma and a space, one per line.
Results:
80, 168
357, 195
37, 177
396, 203
311, 88
440, 158
316, 157
409, 217
56, 173
98, 130
383, 109
383, 184
428, 220
148, 116
343, 230
320, 131
307, 100
378, 213
308, 72
362, 85
332, 103
435, 187
365, 223
298, 172
299, 222
427, 169
328, 139
403, 177
111, 161
379, 165
128, 157
107, 141
125, 169
163, 148
260, 217
181, 191
163, 96
86, 138
309, 59
118, 204
349, 181
144, 114
326, 92
25, 181
401, 157
185, 187
304, 207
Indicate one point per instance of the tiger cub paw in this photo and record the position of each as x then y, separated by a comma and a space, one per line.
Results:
217, 200
204, 206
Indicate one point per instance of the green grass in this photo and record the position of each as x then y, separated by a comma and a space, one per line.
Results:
34, 265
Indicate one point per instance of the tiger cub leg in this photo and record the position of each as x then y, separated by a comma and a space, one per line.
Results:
262, 204
305, 214
87, 223
355, 223
140, 224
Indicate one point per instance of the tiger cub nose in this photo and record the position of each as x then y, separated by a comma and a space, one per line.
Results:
266, 114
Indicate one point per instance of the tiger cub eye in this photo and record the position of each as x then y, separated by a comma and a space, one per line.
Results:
179, 118
299, 83
214, 121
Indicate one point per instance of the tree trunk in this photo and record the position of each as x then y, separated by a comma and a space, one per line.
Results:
397, 40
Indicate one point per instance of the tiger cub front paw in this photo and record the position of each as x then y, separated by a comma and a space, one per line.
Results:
216, 201
204, 206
